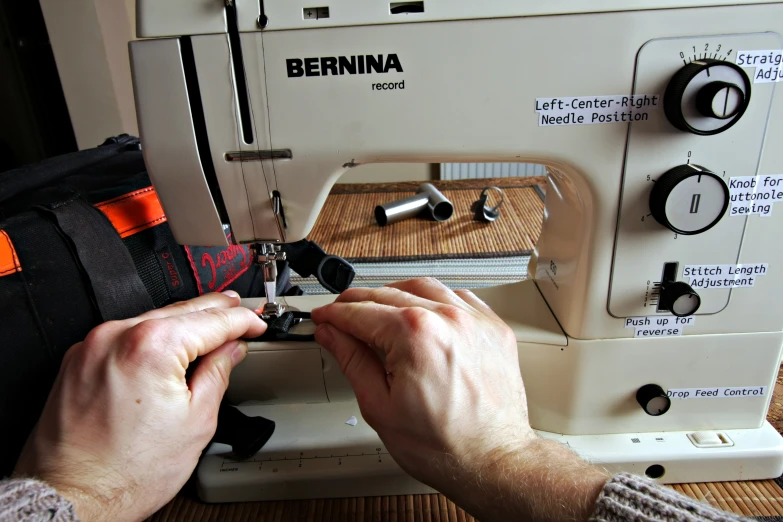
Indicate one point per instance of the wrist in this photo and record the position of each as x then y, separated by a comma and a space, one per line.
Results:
85, 504
534, 479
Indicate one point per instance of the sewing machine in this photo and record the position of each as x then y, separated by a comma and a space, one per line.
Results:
650, 335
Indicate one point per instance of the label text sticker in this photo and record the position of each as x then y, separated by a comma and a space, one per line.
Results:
767, 64
586, 110
724, 276
717, 393
660, 326
755, 194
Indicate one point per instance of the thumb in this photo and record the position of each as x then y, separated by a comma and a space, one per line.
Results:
360, 365
209, 381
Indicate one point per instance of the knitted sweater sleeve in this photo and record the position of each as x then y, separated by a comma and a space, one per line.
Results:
628, 497
34, 501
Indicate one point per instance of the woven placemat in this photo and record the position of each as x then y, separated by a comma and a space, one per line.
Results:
753, 498
346, 226
408, 508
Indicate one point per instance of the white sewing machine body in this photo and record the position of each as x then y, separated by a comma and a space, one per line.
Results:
467, 90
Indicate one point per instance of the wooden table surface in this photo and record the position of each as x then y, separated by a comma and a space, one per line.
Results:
751, 498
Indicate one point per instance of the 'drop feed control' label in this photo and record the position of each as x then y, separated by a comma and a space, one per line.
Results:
660, 326
754, 194
767, 64
586, 110
724, 276
717, 393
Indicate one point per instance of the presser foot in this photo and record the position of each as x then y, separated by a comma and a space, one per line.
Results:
272, 311
267, 255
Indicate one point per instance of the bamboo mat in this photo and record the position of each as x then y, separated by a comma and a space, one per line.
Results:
409, 508
346, 226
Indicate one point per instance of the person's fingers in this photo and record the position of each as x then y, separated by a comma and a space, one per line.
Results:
385, 295
372, 323
360, 365
473, 300
209, 381
192, 335
432, 289
227, 299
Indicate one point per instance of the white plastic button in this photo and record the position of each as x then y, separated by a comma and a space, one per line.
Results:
709, 439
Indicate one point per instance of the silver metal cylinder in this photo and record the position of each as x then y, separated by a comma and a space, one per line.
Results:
440, 207
404, 208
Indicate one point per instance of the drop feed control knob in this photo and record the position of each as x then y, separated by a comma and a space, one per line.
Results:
707, 96
678, 298
689, 199
653, 400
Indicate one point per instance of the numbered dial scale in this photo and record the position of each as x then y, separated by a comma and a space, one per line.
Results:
707, 96
689, 199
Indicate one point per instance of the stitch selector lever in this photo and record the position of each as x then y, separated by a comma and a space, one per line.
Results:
267, 255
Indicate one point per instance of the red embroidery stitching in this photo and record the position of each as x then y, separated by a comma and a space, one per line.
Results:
218, 267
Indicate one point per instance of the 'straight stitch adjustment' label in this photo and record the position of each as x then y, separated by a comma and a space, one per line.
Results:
767, 64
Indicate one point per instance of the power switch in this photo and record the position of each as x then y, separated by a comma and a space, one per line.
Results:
710, 439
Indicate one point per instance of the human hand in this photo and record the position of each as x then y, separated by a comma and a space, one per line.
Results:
453, 396
123, 427
436, 374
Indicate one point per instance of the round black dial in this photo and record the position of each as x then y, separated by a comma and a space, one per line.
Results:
689, 199
721, 100
679, 299
653, 400
707, 96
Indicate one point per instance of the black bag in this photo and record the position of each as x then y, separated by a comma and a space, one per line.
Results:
83, 239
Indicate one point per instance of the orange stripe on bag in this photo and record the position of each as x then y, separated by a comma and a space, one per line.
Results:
9, 262
134, 212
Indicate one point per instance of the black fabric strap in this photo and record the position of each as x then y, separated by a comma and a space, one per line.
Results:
119, 292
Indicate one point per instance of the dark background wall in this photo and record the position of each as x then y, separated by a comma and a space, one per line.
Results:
34, 121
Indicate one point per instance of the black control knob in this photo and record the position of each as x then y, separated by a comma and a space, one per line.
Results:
720, 100
707, 96
653, 400
678, 298
689, 199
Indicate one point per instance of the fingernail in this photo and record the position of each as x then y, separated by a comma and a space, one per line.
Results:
323, 335
230, 293
239, 354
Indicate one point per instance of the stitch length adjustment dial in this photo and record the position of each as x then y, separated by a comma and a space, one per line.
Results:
707, 96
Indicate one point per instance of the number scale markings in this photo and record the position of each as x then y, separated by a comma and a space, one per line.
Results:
232, 463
